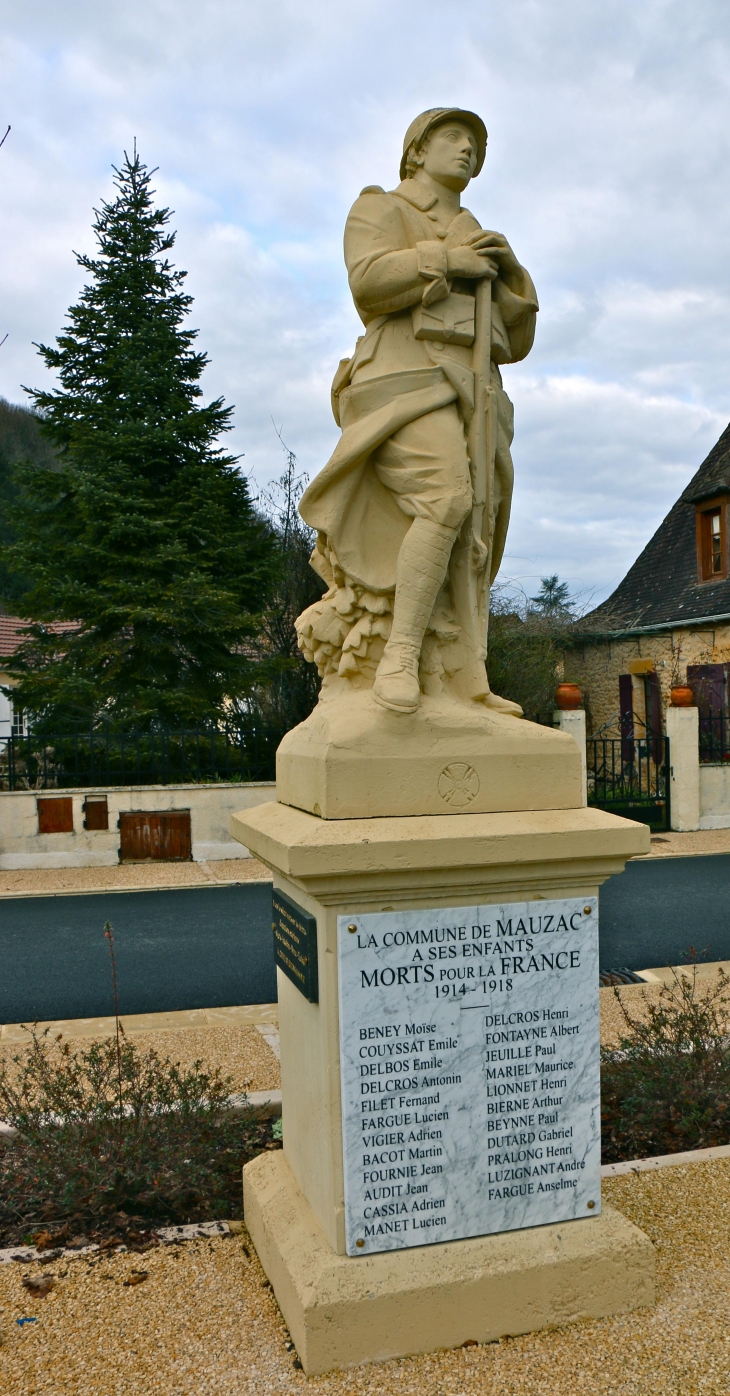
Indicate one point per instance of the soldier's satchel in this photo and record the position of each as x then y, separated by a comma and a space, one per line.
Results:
450, 320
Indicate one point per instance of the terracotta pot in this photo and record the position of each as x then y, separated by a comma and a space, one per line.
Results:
568, 697
682, 696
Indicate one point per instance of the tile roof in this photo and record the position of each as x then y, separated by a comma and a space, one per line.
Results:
662, 587
13, 632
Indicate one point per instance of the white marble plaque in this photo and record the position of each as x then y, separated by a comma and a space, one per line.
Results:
469, 1050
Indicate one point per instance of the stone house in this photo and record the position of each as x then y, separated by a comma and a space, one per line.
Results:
668, 621
11, 722
12, 633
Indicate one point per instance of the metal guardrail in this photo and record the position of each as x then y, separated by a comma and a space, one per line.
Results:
104, 756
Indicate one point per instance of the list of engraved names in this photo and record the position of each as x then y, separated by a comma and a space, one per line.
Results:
469, 1053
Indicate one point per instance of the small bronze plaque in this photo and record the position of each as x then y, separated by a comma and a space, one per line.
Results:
295, 945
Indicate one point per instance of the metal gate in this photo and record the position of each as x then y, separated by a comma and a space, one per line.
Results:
155, 834
630, 776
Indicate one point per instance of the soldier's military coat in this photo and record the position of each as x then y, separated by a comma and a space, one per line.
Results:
395, 254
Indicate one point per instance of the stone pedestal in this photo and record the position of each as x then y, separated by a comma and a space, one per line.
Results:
342, 1312
343, 1309
354, 759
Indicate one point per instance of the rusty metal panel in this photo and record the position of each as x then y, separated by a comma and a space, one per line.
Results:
55, 814
157, 835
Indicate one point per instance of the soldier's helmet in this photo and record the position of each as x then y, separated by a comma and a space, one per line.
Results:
435, 116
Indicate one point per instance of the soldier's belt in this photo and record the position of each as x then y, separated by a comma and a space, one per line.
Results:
357, 401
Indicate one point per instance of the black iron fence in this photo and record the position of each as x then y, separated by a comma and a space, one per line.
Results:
630, 776
107, 757
714, 735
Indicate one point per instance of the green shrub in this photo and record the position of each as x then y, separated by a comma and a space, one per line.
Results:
110, 1136
666, 1087
525, 653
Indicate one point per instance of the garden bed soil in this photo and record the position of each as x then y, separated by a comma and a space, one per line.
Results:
137, 1233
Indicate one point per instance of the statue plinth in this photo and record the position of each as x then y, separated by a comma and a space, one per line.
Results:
354, 759
343, 1309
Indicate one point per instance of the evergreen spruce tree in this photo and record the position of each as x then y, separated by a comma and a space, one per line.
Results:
143, 534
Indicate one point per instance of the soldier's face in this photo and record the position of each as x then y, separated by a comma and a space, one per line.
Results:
450, 155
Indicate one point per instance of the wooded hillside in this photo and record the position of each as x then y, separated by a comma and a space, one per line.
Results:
20, 439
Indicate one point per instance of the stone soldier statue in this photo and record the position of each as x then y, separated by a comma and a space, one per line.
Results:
411, 511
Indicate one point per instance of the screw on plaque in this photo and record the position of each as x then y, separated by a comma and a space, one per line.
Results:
359, 1243
586, 911
352, 928
590, 1205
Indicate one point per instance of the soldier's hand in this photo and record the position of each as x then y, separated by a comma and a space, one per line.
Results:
470, 262
496, 246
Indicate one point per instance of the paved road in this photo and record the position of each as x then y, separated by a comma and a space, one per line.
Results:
196, 947
205, 947
658, 908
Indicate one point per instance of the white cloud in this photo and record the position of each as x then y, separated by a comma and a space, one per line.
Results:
599, 465
609, 146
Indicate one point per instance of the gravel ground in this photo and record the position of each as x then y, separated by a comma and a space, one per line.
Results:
204, 1322
243, 1053
240, 1052
699, 841
634, 996
38, 882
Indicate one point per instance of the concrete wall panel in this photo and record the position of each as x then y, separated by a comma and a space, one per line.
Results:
21, 845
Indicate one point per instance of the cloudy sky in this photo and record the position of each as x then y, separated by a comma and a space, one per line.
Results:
607, 169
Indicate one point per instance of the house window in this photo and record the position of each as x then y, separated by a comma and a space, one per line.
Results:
712, 541
18, 722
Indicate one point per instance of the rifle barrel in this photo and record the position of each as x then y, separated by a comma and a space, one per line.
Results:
478, 435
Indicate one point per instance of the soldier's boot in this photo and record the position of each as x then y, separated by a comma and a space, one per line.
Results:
422, 563
505, 705
472, 677
501, 705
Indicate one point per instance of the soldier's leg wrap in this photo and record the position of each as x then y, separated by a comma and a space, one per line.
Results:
426, 467
422, 563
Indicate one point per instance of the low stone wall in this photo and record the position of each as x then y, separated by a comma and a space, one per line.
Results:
715, 797
21, 845
699, 793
